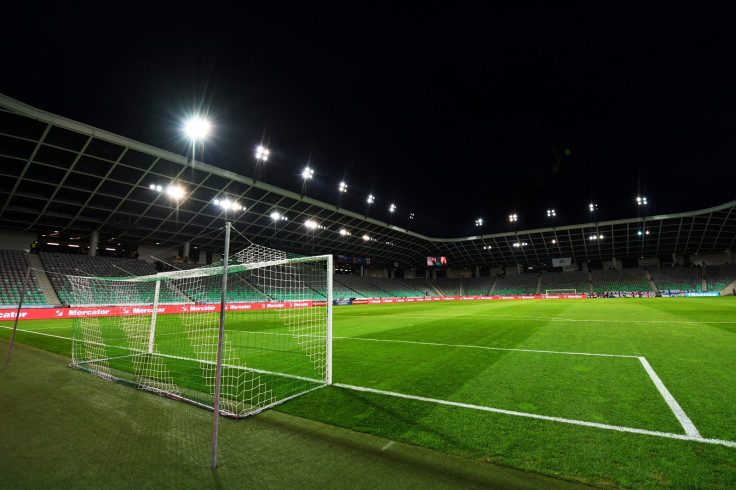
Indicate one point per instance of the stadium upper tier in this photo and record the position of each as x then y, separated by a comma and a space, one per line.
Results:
66, 177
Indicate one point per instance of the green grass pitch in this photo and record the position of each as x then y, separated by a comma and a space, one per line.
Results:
619, 392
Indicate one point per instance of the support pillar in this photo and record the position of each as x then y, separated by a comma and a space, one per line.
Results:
186, 250
93, 239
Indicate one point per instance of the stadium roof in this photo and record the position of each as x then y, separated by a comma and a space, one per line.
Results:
69, 179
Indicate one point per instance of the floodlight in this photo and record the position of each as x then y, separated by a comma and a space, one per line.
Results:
479, 222
641, 200
307, 173
152, 187
366, 237
262, 153
411, 215
513, 218
310, 224
343, 187
392, 208
343, 231
175, 191
197, 128
275, 216
551, 213
371, 199
592, 207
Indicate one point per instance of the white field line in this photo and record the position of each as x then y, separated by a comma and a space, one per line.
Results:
37, 333
690, 430
633, 430
484, 347
674, 406
548, 318
679, 413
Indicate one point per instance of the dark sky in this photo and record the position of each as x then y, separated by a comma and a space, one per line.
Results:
451, 113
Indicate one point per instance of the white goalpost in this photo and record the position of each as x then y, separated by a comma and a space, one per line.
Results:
554, 292
271, 317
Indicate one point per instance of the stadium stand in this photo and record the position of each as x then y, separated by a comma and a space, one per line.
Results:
577, 280
720, 277
477, 286
359, 284
620, 280
422, 287
678, 278
447, 286
58, 266
13, 267
516, 284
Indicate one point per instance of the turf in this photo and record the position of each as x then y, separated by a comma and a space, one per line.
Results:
432, 350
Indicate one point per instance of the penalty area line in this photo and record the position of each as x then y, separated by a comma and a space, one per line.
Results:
633, 430
682, 417
37, 333
486, 347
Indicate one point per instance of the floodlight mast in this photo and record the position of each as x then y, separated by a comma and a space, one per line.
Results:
262, 154
197, 128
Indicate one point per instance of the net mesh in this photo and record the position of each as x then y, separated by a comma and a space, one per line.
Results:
160, 332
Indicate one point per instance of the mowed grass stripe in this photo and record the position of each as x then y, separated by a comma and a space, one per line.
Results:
608, 390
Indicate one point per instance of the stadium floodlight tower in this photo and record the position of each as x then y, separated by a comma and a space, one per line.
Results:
197, 128
342, 189
262, 154
307, 174
370, 200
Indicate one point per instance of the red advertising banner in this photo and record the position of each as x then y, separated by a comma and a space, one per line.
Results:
49, 313
97, 311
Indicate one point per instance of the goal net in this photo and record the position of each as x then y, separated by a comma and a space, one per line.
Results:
554, 292
160, 332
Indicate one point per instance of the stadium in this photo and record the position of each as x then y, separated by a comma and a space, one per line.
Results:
496, 359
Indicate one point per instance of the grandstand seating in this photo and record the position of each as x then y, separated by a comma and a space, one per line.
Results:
577, 280
720, 276
422, 287
58, 266
476, 286
678, 278
621, 280
448, 287
516, 284
13, 267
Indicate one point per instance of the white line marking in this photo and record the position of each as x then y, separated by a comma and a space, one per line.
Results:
674, 406
390, 443
37, 333
690, 430
633, 430
485, 347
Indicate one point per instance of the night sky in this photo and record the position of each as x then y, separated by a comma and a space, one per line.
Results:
451, 113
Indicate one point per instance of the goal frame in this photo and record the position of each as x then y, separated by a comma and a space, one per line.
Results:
307, 330
554, 292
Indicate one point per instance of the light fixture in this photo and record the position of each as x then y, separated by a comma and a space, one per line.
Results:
197, 128
262, 153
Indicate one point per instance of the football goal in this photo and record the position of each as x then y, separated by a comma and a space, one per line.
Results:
555, 292
161, 332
